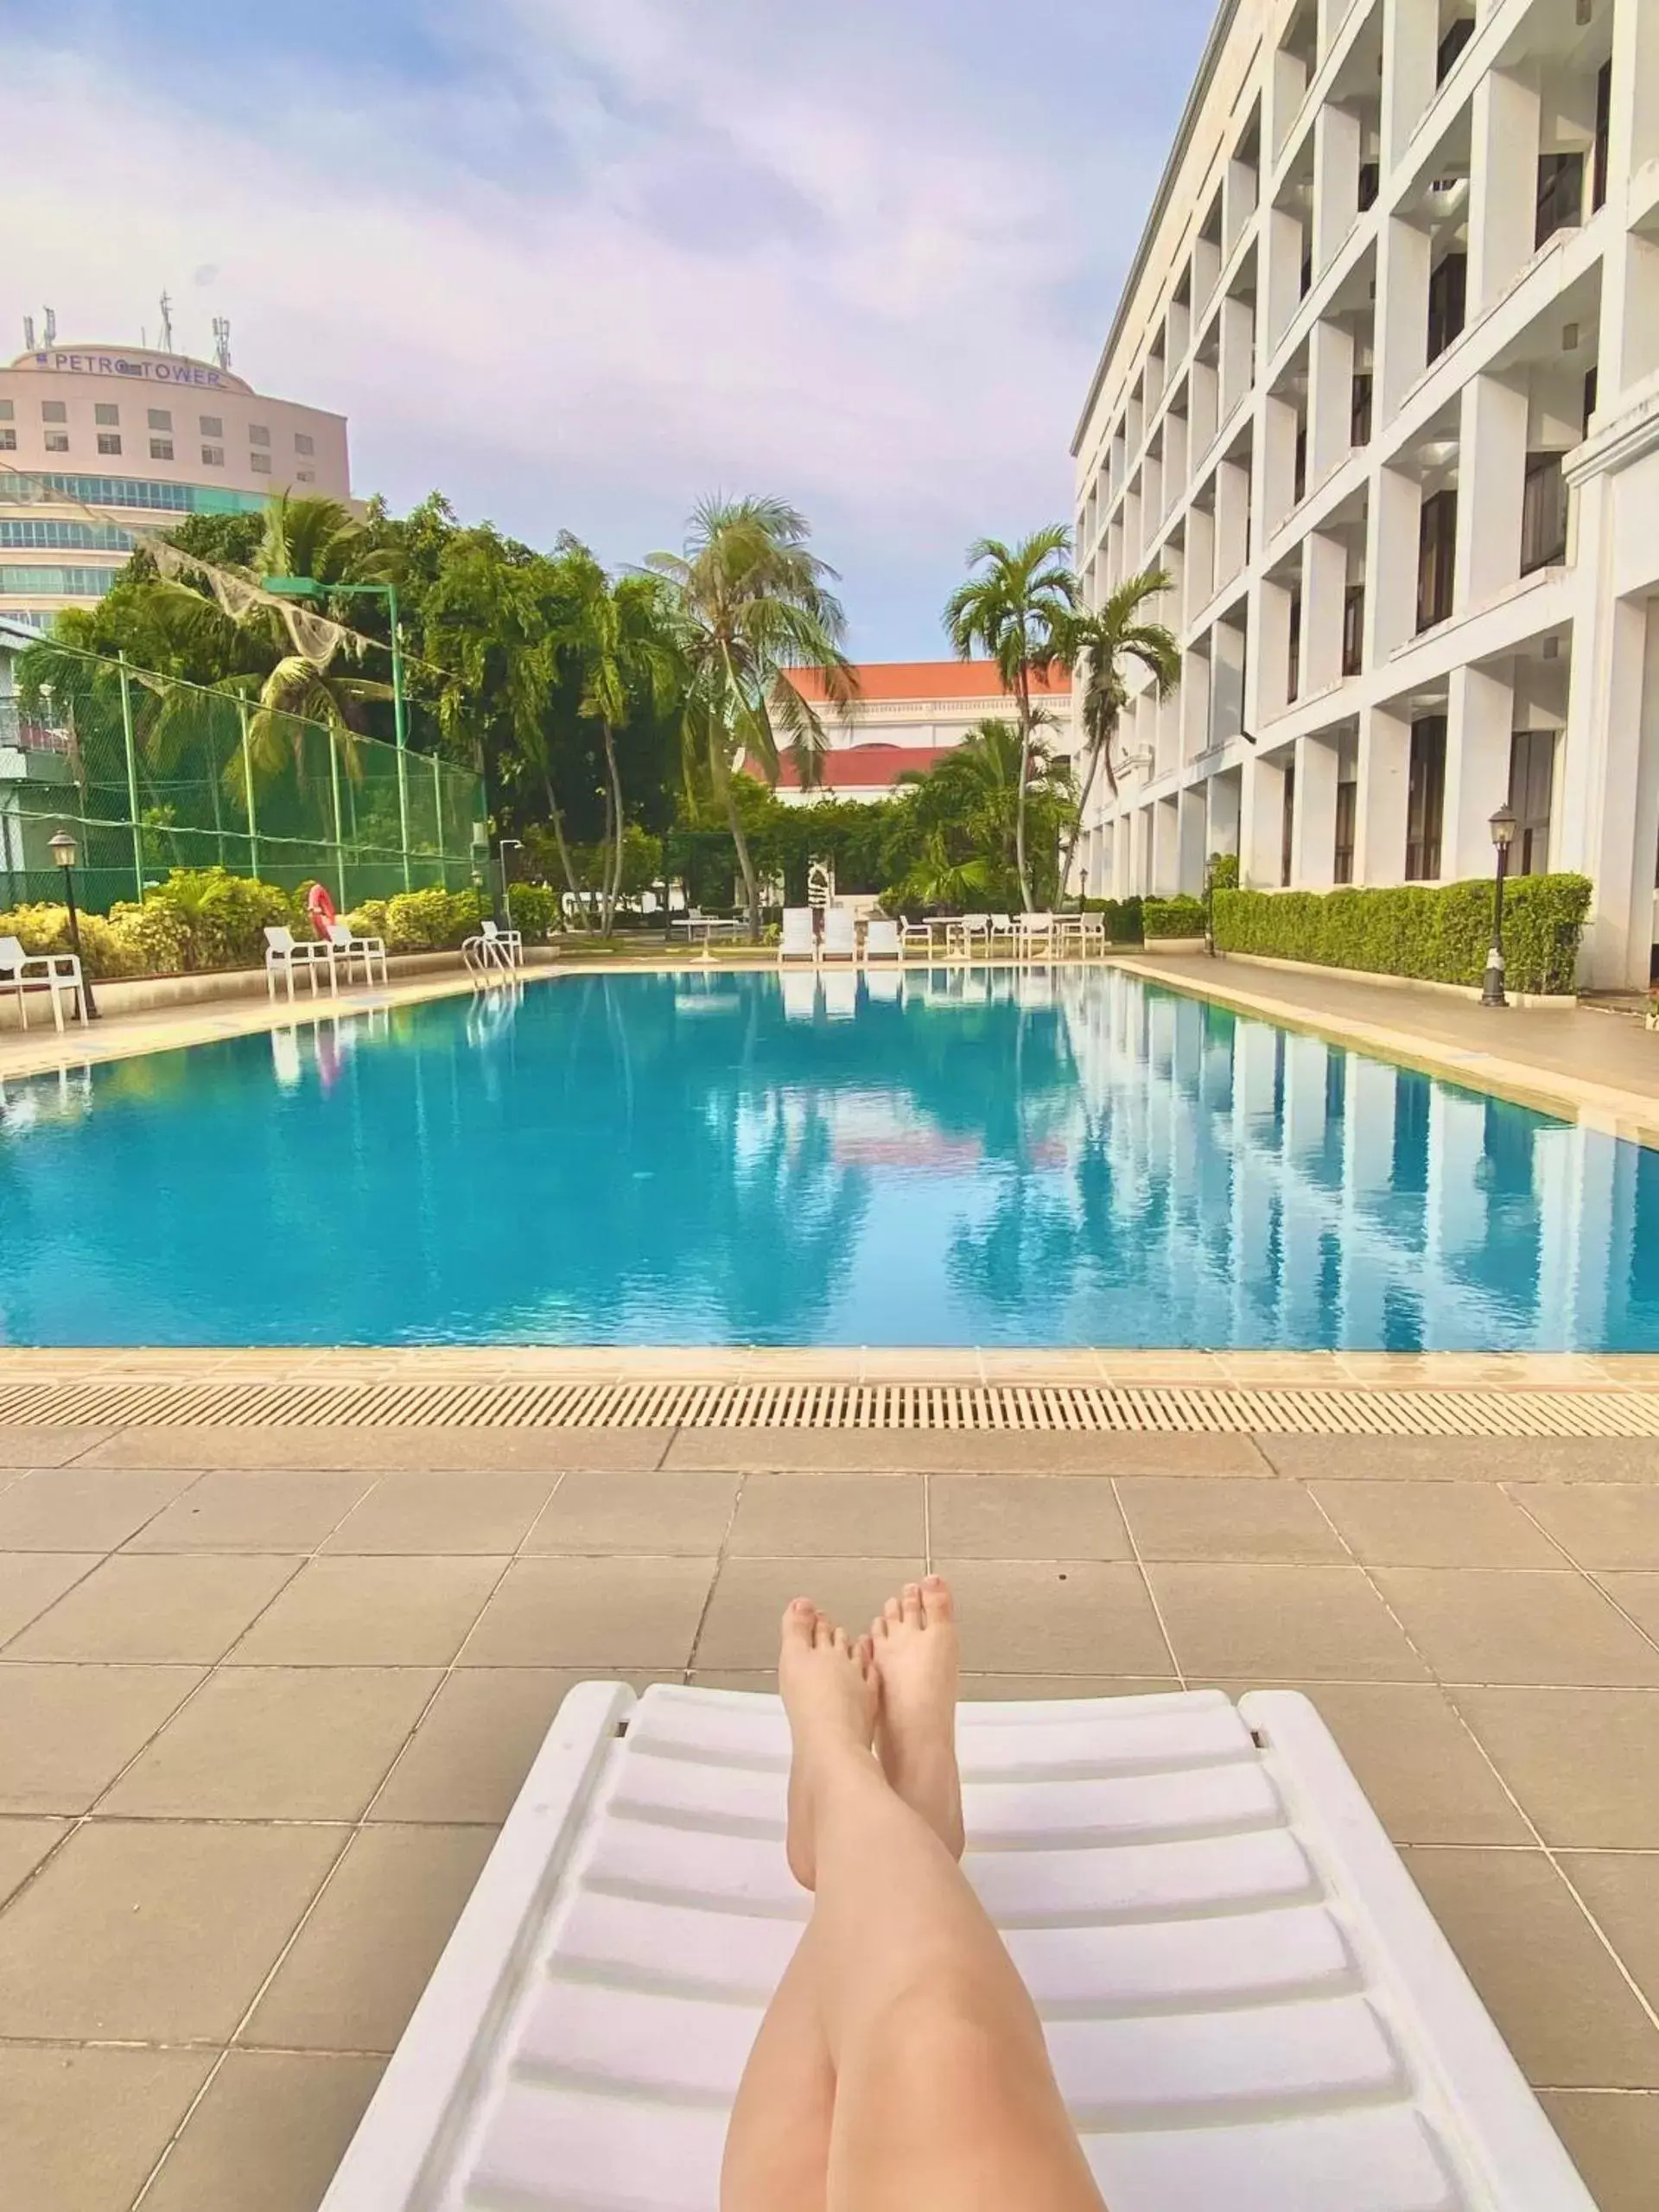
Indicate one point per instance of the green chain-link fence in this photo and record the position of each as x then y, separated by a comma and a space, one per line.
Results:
151, 774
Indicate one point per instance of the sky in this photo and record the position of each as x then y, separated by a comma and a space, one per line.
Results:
581, 263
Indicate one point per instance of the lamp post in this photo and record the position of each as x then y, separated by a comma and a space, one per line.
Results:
515, 844
64, 851
1503, 829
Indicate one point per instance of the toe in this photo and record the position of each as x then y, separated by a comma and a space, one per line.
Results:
798, 1616
823, 1631
864, 1652
892, 1613
838, 1638
912, 1605
878, 1629
938, 1603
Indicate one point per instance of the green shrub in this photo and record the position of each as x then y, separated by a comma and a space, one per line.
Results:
367, 921
1123, 918
535, 909
1223, 871
1435, 932
1172, 916
223, 917
431, 921
44, 928
153, 939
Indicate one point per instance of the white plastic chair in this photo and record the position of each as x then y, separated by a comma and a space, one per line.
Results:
968, 930
350, 948
799, 940
839, 935
1003, 937
285, 953
57, 973
509, 944
1036, 934
881, 940
917, 933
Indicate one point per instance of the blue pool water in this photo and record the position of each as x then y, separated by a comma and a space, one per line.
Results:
980, 1157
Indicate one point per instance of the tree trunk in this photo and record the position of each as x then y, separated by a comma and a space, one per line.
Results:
1021, 869
613, 806
565, 861
1097, 754
751, 882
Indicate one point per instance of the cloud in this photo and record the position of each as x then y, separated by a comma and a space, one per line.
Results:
594, 263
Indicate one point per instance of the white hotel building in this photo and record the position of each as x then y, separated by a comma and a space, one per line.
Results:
1383, 398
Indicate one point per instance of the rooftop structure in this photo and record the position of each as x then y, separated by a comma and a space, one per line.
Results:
906, 714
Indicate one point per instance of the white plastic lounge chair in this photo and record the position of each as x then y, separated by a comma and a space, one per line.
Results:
1004, 941
840, 934
285, 955
800, 989
508, 945
917, 936
799, 940
348, 950
56, 973
881, 940
970, 933
1247, 2002
840, 992
1036, 936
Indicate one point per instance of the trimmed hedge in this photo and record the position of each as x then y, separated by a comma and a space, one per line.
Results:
1123, 924
1172, 916
1438, 933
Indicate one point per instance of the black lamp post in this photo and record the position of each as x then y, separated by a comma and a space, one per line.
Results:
63, 850
1503, 829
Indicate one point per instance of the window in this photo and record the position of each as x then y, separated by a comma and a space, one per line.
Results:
1457, 37
1370, 182
1306, 279
1342, 857
57, 442
1353, 629
258, 435
1299, 470
109, 442
1561, 195
213, 426
1447, 288
213, 456
1589, 397
1604, 121
5, 410
1436, 543
1532, 777
1543, 513
304, 443
54, 411
160, 448
106, 416
7, 441
1425, 799
160, 418
308, 475
1288, 829
259, 463
1293, 670
1359, 410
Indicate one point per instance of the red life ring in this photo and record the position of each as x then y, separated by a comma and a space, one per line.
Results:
320, 907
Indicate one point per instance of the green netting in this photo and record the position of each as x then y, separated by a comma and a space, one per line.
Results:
152, 774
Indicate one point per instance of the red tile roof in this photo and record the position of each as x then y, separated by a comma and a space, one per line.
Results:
866, 767
927, 679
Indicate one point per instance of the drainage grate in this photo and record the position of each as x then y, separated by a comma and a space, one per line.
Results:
1090, 1409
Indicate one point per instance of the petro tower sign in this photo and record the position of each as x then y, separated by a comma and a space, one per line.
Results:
135, 367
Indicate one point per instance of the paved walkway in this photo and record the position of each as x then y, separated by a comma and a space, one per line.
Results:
1604, 1067
261, 1719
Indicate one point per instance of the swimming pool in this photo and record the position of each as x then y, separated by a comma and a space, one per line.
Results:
1047, 1158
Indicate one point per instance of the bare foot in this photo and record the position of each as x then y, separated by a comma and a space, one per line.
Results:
915, 1641
829, 1691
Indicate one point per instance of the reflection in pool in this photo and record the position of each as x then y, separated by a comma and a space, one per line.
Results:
973, 1156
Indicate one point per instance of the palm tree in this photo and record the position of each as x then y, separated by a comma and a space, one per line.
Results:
1101, 643
752, 603
965, 809
1017, 611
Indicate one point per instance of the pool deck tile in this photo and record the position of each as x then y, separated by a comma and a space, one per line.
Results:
372, 1644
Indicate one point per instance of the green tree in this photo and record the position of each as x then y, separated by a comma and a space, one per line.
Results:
1100, 645
1017, 611
957, 828
752, 601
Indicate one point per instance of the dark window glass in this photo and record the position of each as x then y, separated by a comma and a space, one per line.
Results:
1299, 473
1457, 37
1603, 120
1306, 277
1590, 388
1289, 828
1532, 775
1436, 543
1359, 410
1447, 291
1371, 180
1425, 799
1561, 195
1293, 670
1543, 513
1353, 629
1342, 867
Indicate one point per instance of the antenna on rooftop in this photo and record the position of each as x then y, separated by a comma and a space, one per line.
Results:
28, 333
222, 341
51, 333
166, 322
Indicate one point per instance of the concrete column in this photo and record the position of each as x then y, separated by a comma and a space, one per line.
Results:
1391, 533
1480, 718
1503, 185
1313, 827
1278, 465
1190, 839
1240, 190
1121, 832
1200, 562
1271, 660
1237, 337
1324, 581
1166, 859
1286, 89
1144, 880
1226, 682
1232, 520
1401, 319
1175, 459
1330, 398
1281, 237
1411, 33
1492, 484
1203, 388
1193, 700
1261, 824
1221, 836
1336, 181
1206, 268
1609, 782
1384, 774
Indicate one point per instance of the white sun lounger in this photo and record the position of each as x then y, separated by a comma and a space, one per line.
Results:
1249, 2006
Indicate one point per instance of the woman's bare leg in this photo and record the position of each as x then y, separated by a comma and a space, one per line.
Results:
944, 2100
